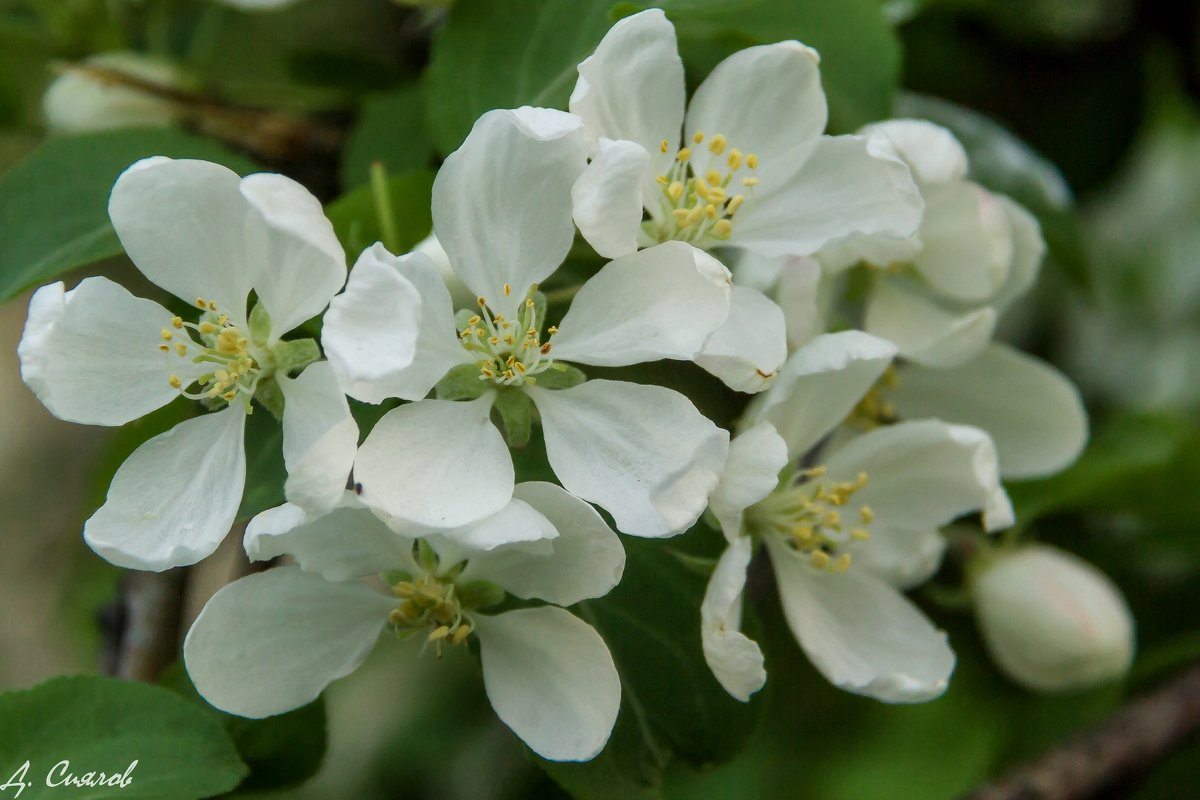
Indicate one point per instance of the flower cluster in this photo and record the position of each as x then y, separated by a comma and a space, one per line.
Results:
868, 426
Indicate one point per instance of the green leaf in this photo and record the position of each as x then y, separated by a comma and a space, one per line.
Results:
355, 216
281, 751
673, 706
860, 54
54, 204
504, 55
1003, 163
265, 472
391, 130
105, 725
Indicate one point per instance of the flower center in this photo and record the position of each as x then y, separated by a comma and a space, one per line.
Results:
698, 203
875, 410
509, 352
214, 340
430, 602
806, 512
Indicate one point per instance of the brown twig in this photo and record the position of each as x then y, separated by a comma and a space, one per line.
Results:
142, 627
1128, 743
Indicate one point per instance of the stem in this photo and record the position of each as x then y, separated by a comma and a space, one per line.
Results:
383, 207
1138, 736
142, 627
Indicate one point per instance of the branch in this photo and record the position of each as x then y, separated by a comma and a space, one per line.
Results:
1131, 741
142, 626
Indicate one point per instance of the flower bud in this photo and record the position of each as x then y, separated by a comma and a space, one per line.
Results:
1052, 621
79, 102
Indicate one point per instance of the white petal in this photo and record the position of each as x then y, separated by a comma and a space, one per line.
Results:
271, 642
91, 354
804, 298
863, 635
502, 201
391, 333
585, 560
437, 463
657, 303
922, 475
751, 472
551, 679
819, 385
185, 226
303, 264
765, 100
174, 499
1032, 411
733, 657
638, 51
931, 151
924, 331
1029, 248
607, 198
846, 185
967, 245
642, 453
747, 351
517, 522
346, 543
320, 438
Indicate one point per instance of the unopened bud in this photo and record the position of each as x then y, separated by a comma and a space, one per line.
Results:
79, 101
1052, 621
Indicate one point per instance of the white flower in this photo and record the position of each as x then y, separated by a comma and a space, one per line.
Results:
501, 211
79, 101
1052, 621
99, 355
752, 170
844, 537
938, 293
272, 642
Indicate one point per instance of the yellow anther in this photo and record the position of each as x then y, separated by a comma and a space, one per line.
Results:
832, 519
176, 322
697, 137
479, 331
166, 348
208, 327
662, 180
529, 302
684, 154
722, 228
519, 367
717, 194
702, 188
167, 335
814, 472
553, 329
509, 339
696, 214
545, 349
201, 302
866, 515
664, 146
717, 144
749, 181
441, 632
229, 395
482, 301
842, 563
221, 320
474, 320
460, 634
734, 204
682, 216
819, 559
507, 292
804, 533
710, 211
493, 340
752, 161
713, 177
735, 158
675, 191
212, 306
861, 534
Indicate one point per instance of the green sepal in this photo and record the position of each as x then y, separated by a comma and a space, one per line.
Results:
260, 324
426, 557
462, 383
395, 576
462, 318
516, 411
539, 309
296, 354
270, 396
480, 594
560, 376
